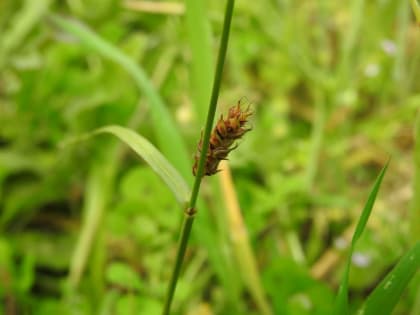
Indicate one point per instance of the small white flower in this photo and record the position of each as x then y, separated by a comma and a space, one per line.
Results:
389, 47
361, 260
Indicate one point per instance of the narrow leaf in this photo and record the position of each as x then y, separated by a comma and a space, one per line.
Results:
154, 158
341, 304
386, 295
199, 38
368, 206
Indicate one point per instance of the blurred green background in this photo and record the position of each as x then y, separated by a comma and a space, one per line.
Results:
88, 228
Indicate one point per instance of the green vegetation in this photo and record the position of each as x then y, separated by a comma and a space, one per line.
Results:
101, 107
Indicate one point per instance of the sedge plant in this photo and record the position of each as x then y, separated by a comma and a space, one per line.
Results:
200, 166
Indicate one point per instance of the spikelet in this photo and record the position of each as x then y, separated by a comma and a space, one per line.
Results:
222, 138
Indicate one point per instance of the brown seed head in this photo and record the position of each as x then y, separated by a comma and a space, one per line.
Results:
222, 138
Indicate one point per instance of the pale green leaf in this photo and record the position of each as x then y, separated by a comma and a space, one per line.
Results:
150, 154
154, 158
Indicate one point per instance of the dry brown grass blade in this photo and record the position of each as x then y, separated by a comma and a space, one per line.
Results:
240, 242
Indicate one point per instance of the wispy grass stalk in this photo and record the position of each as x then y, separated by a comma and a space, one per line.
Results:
241, 245
191, 210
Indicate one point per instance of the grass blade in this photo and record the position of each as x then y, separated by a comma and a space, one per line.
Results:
341, 305
387, 294
241, 245
151, 155
168, 136
201, 53
154, 158
368, 207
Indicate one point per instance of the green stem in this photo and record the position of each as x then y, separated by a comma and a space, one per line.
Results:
182, 246
213, 101
190, 212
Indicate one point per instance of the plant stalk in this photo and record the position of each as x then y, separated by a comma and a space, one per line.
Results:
190, 211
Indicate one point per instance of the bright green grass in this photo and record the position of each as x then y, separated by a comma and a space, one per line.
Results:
335, 93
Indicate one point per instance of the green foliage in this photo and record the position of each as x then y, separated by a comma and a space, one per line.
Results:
152, 157
293, 291
159, 111
335, 91
386, 295
191, 207
123, 276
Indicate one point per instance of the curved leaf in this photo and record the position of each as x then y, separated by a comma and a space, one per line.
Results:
387, 294
153, 157
150, 154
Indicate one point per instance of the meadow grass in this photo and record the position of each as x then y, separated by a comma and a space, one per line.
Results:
334, 91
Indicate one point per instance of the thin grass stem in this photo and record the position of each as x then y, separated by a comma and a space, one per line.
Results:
190, 211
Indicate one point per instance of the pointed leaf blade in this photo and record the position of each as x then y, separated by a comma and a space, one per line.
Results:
386, 295
364, 217
341, 306
153, 157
